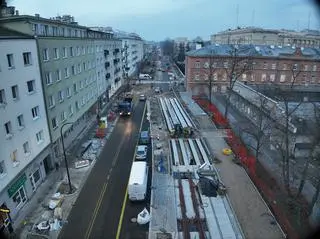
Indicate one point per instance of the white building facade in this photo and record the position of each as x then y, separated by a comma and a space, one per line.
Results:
24, 133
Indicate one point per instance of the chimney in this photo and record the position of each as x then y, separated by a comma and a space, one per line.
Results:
17, 12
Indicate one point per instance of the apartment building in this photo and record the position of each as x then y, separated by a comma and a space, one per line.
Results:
272, 65
260, 36
25, 155
132, 51
72, 61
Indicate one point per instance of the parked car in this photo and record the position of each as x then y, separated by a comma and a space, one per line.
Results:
157, 90
141, 153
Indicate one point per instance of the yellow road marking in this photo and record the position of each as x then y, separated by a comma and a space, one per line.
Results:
126, 194
103, 191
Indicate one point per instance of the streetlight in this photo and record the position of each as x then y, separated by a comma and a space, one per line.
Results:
65, 157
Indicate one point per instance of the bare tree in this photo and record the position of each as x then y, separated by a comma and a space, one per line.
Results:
212, 70
239, 62
263, 124
285, 143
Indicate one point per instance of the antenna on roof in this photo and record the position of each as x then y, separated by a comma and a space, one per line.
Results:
252, 18
309, 20
237, 16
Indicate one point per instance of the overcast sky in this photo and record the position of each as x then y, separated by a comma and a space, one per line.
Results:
159, 19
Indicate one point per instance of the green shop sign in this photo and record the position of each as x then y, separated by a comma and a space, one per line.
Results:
15, 187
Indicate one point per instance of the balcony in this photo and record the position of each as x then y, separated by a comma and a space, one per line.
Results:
107, 65
106, 53
116, 70
116, 51
116, 61
107, 76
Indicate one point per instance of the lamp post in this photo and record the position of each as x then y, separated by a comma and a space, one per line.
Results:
65, 157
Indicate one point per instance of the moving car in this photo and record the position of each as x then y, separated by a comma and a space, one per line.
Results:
141, 153
142, 98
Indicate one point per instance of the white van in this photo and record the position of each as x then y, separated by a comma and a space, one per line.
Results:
137, 187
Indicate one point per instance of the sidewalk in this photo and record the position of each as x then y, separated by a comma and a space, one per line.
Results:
253, 214
37, 209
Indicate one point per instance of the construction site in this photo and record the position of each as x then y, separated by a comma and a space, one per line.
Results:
191, 195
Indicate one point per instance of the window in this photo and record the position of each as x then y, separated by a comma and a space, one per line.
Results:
273, 66
26, 58
265, 65
51, 101
78, 51
70, 109
2, 168
66, 72
77, 105
8, 128
314, 68
215, 76
197, 65
26, 148
79, 68
306, 67
284, 66
63, 116
75, 89
64, 52
73, 70
263, 77
272, 77
10, 60
81, 84
2, 97
295, 67
60, 95
45, 55
54, 123
244, 77
84, 66
83, 50
15, 93
225, 64
39, 136
35, 112
282, 78
14, 158
48, 78
20, 121
31, 84
55, 53
58, 75
71, 51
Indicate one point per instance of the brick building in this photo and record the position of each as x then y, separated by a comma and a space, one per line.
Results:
255, 65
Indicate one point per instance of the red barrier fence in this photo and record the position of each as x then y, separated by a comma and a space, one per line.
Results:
274, 195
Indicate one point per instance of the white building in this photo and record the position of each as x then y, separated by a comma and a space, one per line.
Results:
132, 51
24, 133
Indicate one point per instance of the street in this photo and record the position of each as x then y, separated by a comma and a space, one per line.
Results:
97, 210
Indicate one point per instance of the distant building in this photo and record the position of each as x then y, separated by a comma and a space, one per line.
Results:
266, 65
25, 154
260, 36
132, 51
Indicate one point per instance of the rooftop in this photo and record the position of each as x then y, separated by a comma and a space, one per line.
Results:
6, 33
255, 50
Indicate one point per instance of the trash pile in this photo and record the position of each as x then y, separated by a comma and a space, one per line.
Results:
143, 217
93, 148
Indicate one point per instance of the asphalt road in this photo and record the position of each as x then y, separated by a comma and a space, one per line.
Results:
129, 229
97, 210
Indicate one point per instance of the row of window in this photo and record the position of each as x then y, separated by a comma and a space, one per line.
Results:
252, 77
64, 52
52, 30
26, 58
30, 88
63, 115
68, 92
34, 112
265, 65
